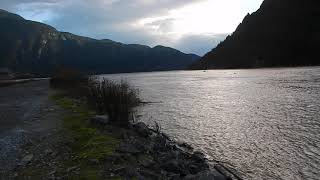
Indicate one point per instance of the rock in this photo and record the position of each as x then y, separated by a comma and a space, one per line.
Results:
119, 170
145, 160
174, 176
194, 169
142, 129
171, 166
223, 170
165, 156
198, 156
206, 175
70, 169
48, 151
54, 154
93, 161
145, 174
27, 159
165, 136
52, 173
185, 145
130, 172
114, 158
160, 142
128, 148
100, 120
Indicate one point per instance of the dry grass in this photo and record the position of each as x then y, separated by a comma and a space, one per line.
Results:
115, 99
106, 97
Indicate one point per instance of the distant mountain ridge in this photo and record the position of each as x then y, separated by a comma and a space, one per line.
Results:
33, 47
280, 33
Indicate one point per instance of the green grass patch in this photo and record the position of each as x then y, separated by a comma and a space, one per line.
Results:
89, 143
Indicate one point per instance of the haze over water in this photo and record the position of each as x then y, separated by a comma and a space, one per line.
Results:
264, 123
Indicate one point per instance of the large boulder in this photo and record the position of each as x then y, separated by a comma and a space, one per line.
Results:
142, 129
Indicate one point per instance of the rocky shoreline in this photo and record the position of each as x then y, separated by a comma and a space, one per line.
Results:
143, 154
97, 149
151, 154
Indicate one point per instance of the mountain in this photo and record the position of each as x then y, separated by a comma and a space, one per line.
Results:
280, 33
32, 47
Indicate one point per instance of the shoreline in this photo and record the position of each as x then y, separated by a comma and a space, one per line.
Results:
104, 151
4, 83
217, 170
143, 152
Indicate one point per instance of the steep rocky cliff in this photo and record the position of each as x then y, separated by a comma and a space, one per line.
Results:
280, 33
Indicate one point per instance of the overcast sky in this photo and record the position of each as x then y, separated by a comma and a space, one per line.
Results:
192, 26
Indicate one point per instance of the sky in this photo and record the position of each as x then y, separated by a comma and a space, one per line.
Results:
192, 26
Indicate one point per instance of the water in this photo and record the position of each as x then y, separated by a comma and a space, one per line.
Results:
264, 124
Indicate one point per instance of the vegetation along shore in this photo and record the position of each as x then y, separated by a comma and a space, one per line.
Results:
95, 138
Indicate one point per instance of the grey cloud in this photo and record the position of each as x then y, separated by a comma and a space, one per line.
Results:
164, 25
110, 19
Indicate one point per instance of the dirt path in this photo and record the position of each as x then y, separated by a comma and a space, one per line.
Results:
27, 119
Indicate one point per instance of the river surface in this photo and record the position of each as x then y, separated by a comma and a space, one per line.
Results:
263, 123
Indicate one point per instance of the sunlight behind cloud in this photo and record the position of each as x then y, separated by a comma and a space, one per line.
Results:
193, 26
203, 17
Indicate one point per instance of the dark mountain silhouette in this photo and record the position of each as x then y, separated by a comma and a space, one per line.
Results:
32, 47
280, 33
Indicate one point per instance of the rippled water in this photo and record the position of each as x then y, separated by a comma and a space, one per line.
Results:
264, 124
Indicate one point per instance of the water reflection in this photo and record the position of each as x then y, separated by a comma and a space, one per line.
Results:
263, 123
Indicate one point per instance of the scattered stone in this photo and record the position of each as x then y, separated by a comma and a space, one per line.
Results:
160, 142
130, 172
198, 156
171, 166
27, 159
48, 151
70, 169
194, 168
118, 170
51, 173
54, 154
145, 160
174, 176
148, 175
128, 148
93, 161
185, 145
206, 175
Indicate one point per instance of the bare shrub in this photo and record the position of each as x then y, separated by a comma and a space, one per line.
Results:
115, 99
